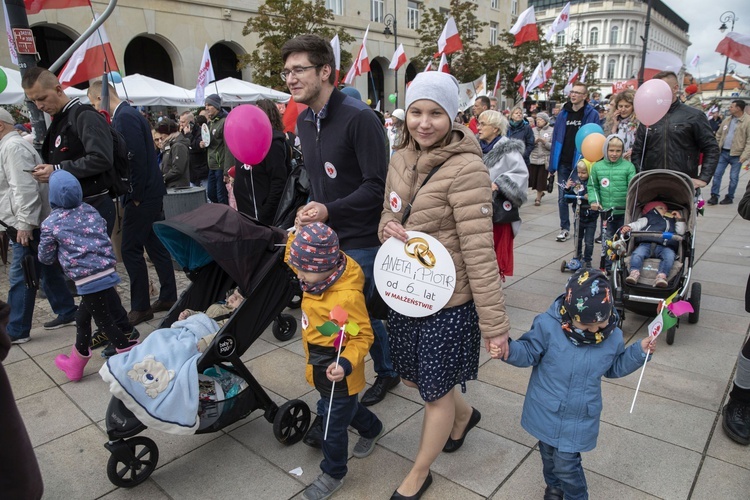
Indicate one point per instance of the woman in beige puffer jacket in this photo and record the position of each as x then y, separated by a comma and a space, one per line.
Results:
439, 352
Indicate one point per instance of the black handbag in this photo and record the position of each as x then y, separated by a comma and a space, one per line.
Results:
503, 210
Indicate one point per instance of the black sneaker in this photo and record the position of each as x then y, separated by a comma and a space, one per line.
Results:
713, 200
598, 239
726, 201
314, 435
110, 351
59, 322
98, 339
736, 421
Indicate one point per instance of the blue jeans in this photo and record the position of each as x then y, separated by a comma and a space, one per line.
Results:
21, 299
734, 174
563, 172
564, 471
217, 190
586, 232
345, 412
643, 251
380, 352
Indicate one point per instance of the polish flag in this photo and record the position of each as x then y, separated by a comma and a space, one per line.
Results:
361, 63
398, 59
560, 24
537, 78
497, 84
11, 41
293, 109
583, 74
661, 61
571, 80
525, 28
35, 6
735, 46
449, 41
429, 66
547, 70
89, 61
336, 46
519, 76
205, 76
522, 90
551, 89
695, 61
443, 66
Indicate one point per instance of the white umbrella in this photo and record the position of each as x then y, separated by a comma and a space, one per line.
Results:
13, 93
140, 90
233, 91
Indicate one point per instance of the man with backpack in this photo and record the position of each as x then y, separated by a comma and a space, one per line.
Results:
143, 206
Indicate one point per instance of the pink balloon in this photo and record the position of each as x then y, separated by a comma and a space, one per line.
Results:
247, 131
652, 101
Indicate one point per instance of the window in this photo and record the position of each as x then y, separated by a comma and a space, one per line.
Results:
337, 6
495, 4
513, 7
376, 11
594, 36
560, 41
613, 33
493, 33
611, 69
412, 15
628, 67
631, 35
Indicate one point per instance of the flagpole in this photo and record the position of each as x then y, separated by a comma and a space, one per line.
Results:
374, 88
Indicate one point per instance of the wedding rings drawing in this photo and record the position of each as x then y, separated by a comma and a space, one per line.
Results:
419, 249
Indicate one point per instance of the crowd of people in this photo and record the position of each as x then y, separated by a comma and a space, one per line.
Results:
372, 177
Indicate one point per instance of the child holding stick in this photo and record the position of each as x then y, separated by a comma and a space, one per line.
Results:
571, 347
329, 278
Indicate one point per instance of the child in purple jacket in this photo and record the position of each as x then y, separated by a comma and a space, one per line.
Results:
76, 235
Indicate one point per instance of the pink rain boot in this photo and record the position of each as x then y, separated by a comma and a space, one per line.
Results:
73, 364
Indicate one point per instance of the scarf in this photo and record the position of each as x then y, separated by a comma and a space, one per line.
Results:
322, 286
580, 337
487, 146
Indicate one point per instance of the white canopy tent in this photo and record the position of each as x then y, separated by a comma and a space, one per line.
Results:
234, 91
13, 93
140, 90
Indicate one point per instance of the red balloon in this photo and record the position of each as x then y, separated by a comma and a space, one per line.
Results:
248, 133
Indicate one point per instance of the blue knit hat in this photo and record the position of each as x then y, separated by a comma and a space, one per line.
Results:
588, 297
315, 248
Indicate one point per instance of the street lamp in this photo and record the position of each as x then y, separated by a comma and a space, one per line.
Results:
390, 20
724, 19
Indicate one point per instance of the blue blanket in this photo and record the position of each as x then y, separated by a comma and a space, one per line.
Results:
158, 379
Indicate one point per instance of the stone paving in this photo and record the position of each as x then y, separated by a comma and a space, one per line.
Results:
671, 446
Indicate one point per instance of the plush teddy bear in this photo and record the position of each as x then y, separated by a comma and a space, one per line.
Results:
152, 374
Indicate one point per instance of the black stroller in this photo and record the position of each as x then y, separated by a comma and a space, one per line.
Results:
220, 248
676, 190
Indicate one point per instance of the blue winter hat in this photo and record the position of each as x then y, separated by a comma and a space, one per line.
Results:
588, 296
315, 248
352, 92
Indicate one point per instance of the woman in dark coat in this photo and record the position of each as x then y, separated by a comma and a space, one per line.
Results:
258, 188
520, 129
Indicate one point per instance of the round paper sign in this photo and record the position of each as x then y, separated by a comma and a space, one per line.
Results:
205, 135
415, 278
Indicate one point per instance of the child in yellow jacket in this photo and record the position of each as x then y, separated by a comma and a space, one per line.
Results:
329, 278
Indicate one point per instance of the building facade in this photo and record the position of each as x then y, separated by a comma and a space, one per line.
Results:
611, 31
164, 39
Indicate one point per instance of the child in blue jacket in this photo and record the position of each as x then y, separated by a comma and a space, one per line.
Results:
571, 346
76, 235
587, 218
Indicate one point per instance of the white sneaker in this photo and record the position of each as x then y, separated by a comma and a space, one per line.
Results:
563, 236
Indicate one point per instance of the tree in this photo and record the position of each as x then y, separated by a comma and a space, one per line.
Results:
507, 58
281, 20
570, 59
466, 65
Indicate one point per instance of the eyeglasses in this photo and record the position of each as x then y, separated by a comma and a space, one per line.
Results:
297, 72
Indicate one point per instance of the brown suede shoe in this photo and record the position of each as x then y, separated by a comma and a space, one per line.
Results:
138, 317
161, 305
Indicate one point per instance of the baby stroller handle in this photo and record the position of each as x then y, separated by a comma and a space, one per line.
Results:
650, 234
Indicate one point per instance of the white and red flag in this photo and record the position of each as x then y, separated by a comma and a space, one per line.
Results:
361, 63
336, 46
429, 66
519, 76
11, 42
571, 80
551, 89
583, 74
398, 59
443, 66
547, 70
36, 6
525, 28
537, 78
449, 41
696, 60
205, 76
735, 46
497, 84
91, 60
522, 90
560, 23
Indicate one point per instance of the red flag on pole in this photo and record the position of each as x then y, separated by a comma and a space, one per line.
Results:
449, 41
361, 63
525, 28
398, 59
89, 61
497, 84
291, 113
736, 46
36, 6
336, 46
443, 66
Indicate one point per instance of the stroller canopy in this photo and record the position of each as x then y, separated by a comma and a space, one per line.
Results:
243, 247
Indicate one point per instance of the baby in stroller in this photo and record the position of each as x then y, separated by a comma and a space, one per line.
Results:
219, 312
657, 219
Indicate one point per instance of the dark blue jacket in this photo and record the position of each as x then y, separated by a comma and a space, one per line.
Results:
525, 135
590, 115
347, 163
145, 177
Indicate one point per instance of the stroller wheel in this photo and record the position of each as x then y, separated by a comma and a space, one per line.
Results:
284, 327
142, 462
670, 335
695, 301
291, 422
563, 266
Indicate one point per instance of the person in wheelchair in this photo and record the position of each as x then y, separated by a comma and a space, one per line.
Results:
656, 219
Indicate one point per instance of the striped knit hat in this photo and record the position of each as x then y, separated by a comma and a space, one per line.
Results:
315, 248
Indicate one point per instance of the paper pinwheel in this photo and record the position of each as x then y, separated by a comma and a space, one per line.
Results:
337, 324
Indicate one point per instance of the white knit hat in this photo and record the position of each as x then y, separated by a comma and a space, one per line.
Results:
436, 86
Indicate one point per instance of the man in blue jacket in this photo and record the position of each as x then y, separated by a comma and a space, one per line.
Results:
143, 206
575, 113
343, 146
